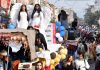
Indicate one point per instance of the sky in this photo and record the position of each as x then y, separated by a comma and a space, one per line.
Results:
79, 6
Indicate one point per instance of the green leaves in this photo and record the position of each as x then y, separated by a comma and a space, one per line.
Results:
92, 17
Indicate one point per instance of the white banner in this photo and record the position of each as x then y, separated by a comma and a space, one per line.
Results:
50, 34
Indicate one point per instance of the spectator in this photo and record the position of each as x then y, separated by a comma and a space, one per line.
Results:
81, 63
39, 66
37, 16
23, 18
68, 64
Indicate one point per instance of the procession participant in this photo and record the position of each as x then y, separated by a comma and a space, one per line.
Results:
37, 16
23, 18
62, 17
40, 41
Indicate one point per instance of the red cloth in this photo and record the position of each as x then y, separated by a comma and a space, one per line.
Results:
47, 67
36, 27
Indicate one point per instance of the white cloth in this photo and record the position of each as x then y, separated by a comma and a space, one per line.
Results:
37, 19
43, 54
82, 64
98, 49
15, 46
14, 12
47, 16
23, 23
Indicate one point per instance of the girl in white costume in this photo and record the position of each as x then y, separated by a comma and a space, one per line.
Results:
82, 63
37, 16
23, 18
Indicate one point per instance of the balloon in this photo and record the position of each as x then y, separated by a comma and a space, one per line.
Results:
56, 27
56, 63
65, 51
62, 46
62, 28
57, 60
52, 61
53, 55
57, 35
59, 56
61, 51
63, 56
60, 39
40, 49
62, 33
58, 23
52, 67
11, 26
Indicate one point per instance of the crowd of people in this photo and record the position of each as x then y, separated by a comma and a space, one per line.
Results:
88, 46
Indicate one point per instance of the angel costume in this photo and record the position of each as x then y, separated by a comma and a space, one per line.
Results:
23, 23
37, 19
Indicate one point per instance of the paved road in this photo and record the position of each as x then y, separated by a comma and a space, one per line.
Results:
92, 64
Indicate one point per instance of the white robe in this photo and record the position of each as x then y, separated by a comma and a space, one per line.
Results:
82, 64
23, 23
37, 19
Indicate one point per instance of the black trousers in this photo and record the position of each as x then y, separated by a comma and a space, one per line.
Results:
97, 65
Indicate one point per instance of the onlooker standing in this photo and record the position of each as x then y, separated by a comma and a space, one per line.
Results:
68, 64
81, 63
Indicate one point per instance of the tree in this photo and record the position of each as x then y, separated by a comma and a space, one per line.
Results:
92, 17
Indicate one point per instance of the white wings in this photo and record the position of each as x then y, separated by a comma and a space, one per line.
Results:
14, 12
47, 15
16, 8
30, 10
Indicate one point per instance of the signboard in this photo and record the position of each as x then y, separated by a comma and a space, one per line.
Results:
50, 34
